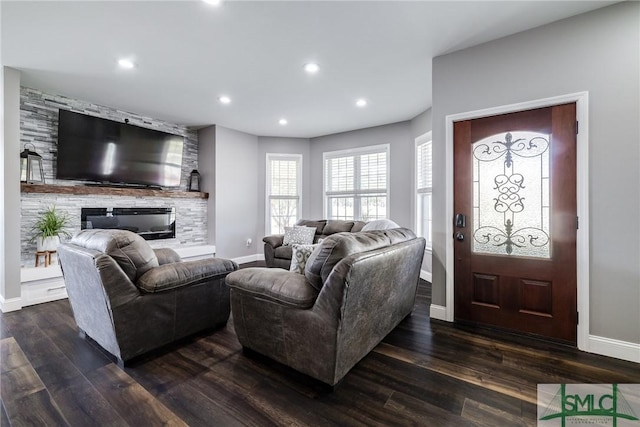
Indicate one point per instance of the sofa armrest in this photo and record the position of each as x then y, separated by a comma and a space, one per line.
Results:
179, 274
167, 256
274, 240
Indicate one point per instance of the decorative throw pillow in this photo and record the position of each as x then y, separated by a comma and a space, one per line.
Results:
298, 235
300, 255
380, 224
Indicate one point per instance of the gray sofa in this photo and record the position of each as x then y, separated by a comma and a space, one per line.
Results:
130, 298
356, 288
278, 255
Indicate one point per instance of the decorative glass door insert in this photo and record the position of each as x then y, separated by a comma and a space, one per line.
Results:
511, 199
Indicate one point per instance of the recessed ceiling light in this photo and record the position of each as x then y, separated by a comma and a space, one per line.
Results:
213, 2
361, 103
224, 99
283, 121
126, 63
311, 68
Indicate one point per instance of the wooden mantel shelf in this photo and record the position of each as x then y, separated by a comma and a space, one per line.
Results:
111, 191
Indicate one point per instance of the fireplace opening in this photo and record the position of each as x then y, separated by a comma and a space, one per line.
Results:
150, 223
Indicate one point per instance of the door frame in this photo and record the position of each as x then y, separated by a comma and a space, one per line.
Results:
582, 191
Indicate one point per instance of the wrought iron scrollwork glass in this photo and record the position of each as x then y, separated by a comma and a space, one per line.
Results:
511, 195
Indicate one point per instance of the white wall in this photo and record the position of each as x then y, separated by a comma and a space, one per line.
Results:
598, 52
401, 156
10, 184
282, 146
236, 192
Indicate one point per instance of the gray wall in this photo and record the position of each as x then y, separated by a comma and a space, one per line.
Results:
421, 123
206, 168
236, 194
598, 52
402, 158
10, 185
282, 146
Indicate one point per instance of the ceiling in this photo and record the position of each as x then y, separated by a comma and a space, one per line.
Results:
188, 53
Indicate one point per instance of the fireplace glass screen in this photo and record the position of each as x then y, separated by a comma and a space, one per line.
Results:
150, 223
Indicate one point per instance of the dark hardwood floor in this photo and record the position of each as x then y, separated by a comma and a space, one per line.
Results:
426, 373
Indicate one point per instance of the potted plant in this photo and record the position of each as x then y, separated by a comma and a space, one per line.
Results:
46, 231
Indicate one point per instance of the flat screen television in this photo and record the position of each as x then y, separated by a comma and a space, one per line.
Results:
104, 151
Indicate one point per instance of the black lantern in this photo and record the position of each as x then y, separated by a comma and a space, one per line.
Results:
31, 166
194, 181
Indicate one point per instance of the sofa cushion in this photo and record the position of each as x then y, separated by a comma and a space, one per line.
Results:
338, 246
283, 252
318, 224
299, 256
337, 226
380, 224
300, 235
283, 287
176, 275
132, 253
357, 226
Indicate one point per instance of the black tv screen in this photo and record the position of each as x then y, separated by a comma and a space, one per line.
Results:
95, 149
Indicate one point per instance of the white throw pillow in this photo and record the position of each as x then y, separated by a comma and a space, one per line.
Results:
298, 235
380, 224
300, 255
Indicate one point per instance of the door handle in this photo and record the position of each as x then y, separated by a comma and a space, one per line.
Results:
459, 236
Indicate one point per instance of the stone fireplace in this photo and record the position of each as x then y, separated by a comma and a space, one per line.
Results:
187, 215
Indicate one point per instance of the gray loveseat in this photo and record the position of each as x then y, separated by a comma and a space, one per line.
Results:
356, 288
130, 298
278, 255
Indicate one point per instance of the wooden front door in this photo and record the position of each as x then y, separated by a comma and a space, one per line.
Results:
515, 221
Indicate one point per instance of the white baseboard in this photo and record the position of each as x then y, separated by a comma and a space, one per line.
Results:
425, 275
11, 304
195, 252
438, 312
248, 258
614, 348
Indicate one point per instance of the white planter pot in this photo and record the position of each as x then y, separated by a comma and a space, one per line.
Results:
47, 243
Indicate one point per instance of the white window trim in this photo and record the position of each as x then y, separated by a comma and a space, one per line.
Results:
267, 190
370, 149
425, 137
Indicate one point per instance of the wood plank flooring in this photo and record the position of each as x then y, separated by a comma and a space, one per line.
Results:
426, 373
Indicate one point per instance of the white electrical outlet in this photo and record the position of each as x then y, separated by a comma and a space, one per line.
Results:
249, 241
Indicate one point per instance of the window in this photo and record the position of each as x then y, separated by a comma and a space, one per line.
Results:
423, 187
283, 191
356, 183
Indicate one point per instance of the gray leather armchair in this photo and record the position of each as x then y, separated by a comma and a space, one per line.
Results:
130, 298
356, 288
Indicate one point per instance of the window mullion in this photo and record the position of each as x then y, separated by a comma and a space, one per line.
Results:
356, 187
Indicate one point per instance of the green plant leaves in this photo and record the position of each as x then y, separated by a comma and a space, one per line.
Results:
51, 223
